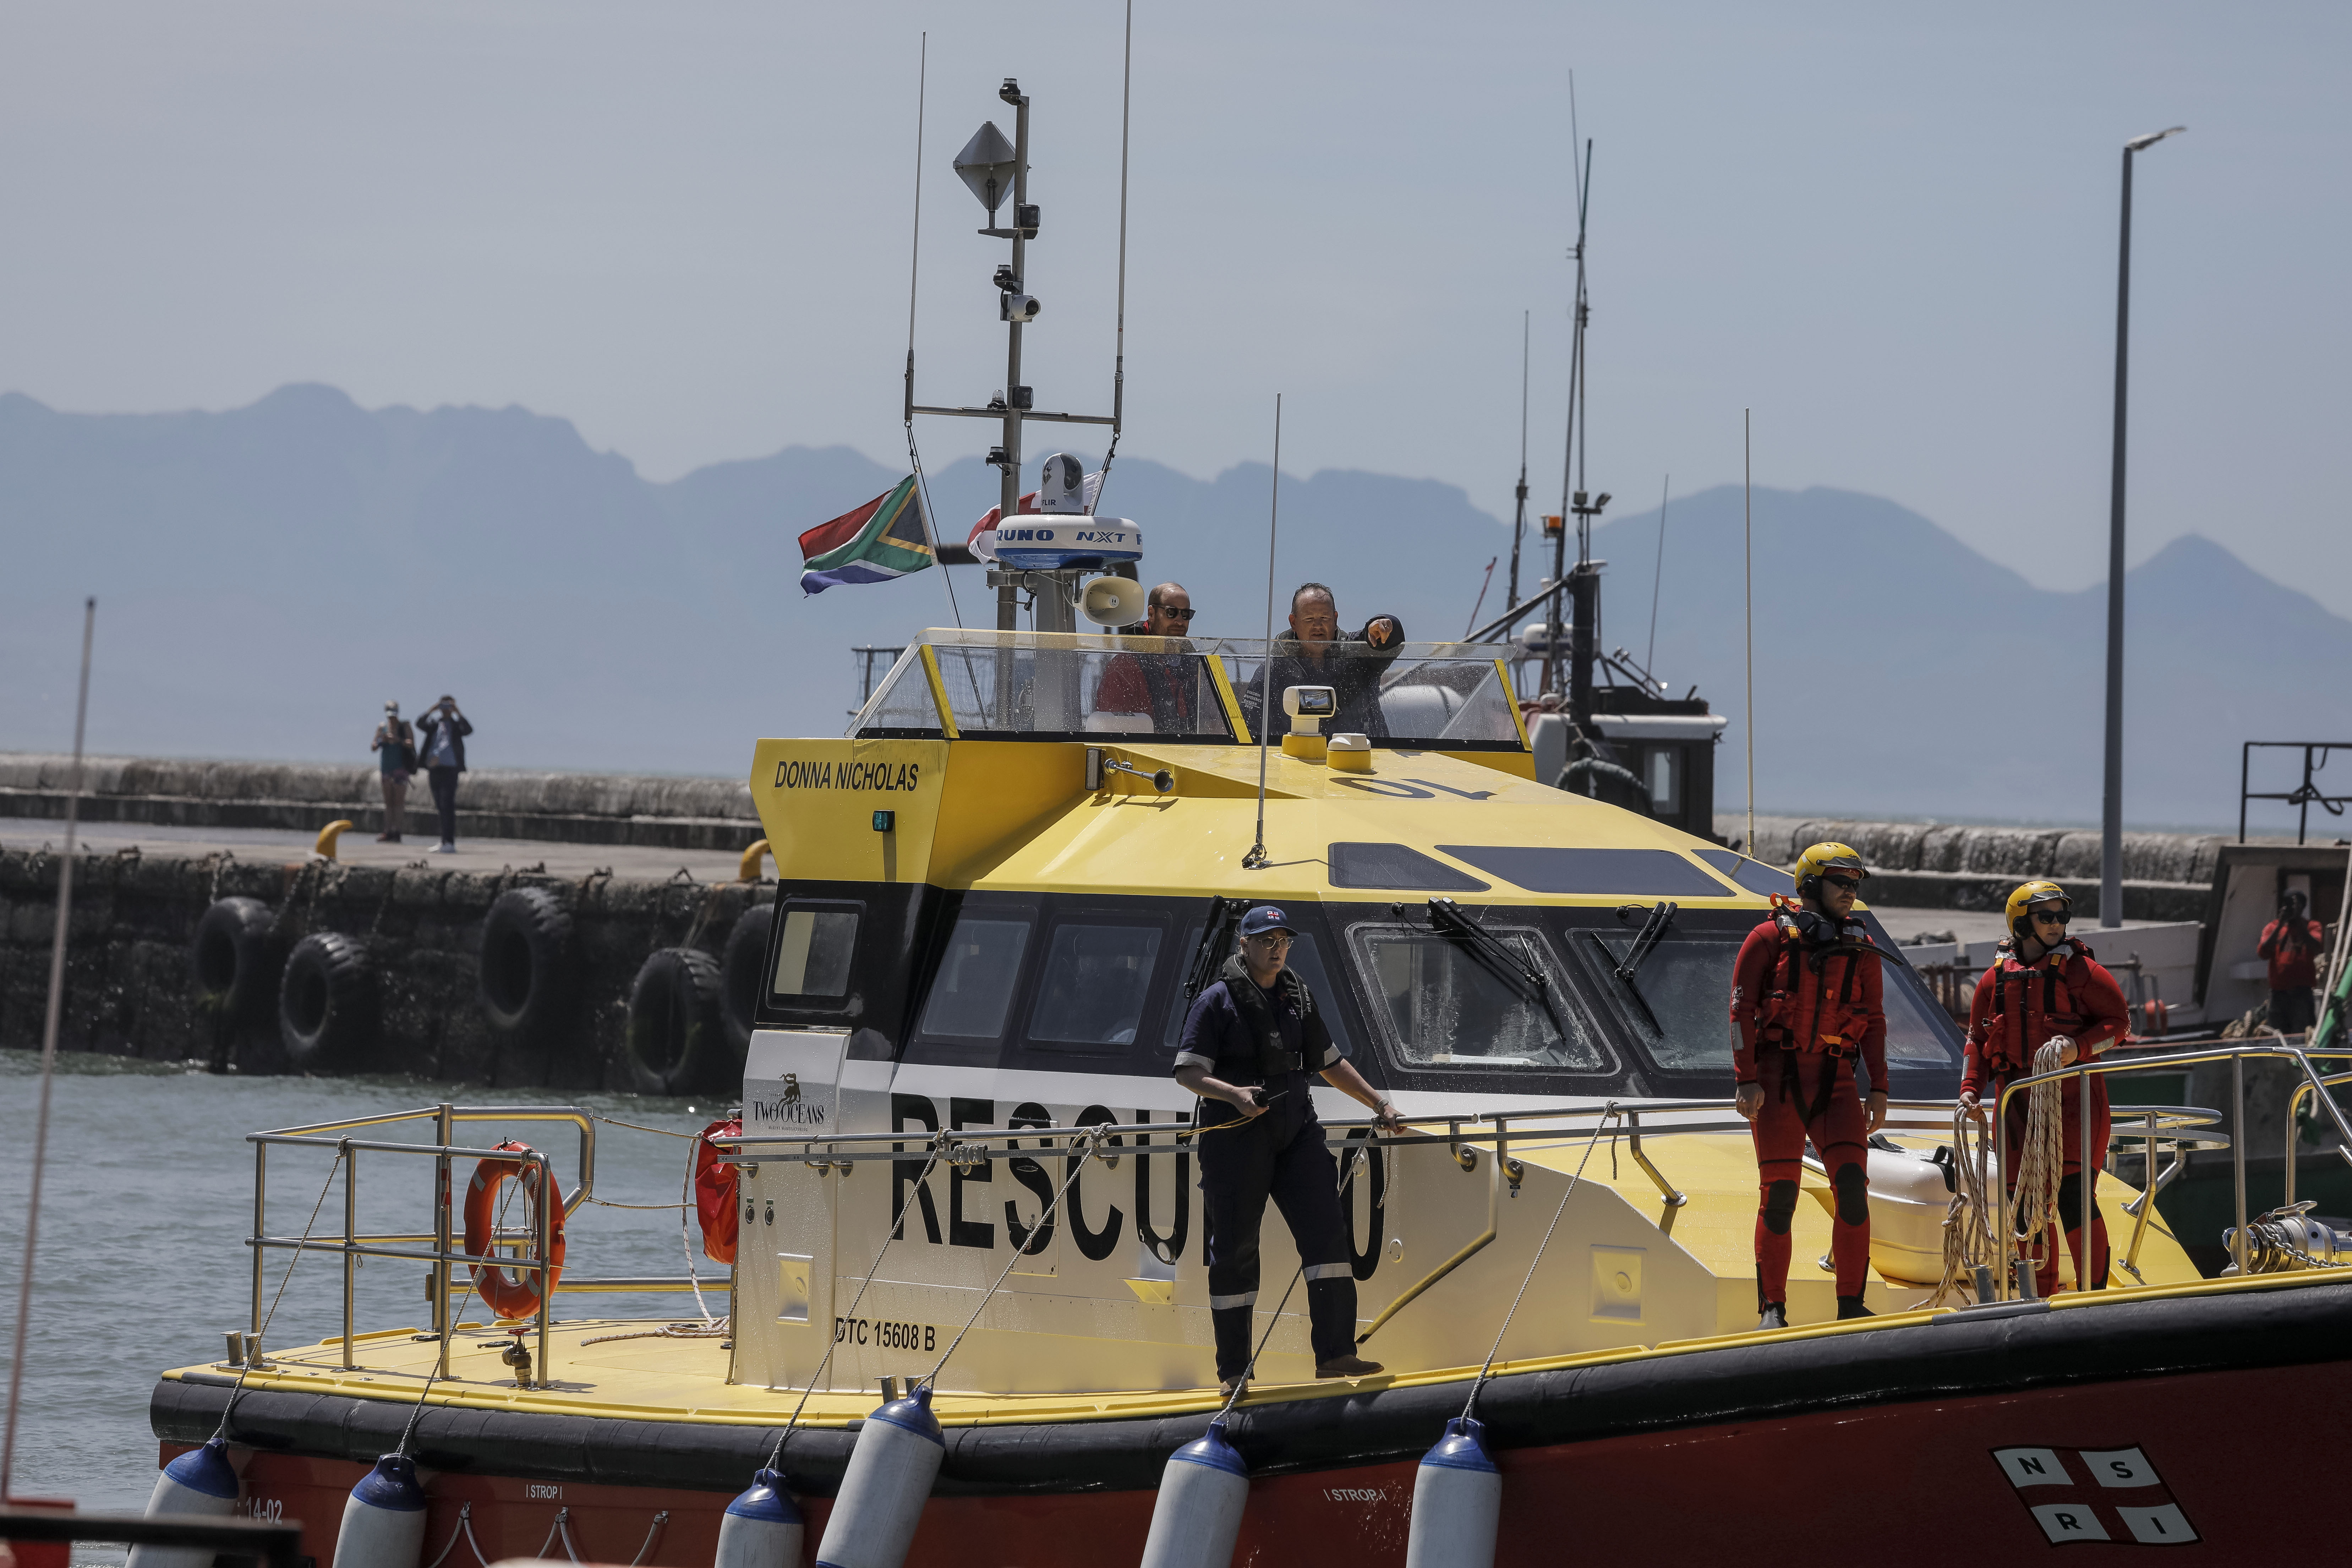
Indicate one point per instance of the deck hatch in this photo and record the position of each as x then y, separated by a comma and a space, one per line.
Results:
1642, 873
1355, 865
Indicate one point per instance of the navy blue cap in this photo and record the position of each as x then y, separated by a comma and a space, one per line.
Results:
1264, 919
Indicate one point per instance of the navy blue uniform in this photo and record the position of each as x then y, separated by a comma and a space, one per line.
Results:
1279, 1154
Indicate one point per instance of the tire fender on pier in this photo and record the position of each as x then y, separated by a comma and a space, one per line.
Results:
326, 1003
742, 966
1457, 1501
888, 1478
526, 960
761, 1528
1198, 1514
676, 1042
383, 1519
200, 1483
235, 959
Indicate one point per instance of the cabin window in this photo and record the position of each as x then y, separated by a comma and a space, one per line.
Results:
1451, 1005
1677, 1001
1096, 980
977, 975
1642, 873
812, 956
1664, 777
1913, 1037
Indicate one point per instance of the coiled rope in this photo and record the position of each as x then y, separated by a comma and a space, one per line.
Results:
1968, 1222
2042, 1165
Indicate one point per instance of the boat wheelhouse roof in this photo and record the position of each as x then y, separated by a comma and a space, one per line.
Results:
1060, 686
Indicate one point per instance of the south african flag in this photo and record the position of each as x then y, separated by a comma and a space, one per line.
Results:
881, 539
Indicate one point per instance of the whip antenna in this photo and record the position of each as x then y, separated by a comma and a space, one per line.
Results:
1520, 517
1119, 358
49, 1059
1748, 548
1657, 575
1256, 859
914, 271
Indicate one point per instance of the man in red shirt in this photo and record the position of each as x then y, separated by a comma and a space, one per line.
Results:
2045, 986
2292, 943
1805, 1002
1162, 685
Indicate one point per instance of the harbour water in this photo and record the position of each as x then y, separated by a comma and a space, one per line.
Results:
148, 1199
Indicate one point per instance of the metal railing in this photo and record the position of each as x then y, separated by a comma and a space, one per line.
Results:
434, 1247
2236, 1056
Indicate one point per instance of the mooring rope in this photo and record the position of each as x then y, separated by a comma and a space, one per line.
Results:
1968, 1222
914, 1190
2042, 1165
284, 1279
1608, 1117
1093, 1140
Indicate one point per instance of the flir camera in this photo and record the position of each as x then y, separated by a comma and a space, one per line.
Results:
1017, 307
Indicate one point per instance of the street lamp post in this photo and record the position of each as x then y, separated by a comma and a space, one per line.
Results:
2111, 814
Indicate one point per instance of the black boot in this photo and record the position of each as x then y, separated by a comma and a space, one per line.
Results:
1775, 1316
1230, 1326
1851, 1306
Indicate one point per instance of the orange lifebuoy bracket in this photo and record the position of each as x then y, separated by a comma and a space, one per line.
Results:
714, 1191
519, 1294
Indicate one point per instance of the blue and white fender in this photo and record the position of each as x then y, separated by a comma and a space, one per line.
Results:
200, 1483
383, 1519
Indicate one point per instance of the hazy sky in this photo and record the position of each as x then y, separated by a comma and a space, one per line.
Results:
685, 227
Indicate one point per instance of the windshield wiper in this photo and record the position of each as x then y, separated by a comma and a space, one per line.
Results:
1624, 975
1653, 929
1490, 950
1206, 959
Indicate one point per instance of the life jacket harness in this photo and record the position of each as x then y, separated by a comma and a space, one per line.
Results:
2008, 1051
1808, 942
1272, 1056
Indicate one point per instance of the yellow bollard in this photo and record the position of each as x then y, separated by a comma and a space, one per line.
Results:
748, 868
324, 849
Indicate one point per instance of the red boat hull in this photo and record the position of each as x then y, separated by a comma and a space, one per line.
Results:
2210, 1448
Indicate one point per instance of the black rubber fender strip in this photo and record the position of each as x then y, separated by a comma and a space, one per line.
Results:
1952, 1357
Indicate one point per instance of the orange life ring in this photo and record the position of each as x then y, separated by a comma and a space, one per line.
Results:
514, 1295
715, 1184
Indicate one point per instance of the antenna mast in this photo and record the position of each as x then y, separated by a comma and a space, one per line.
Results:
1520, 517
1119, 358
1256, 859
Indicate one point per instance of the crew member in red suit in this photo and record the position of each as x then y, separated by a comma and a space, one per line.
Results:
2042, 986
2291, 943
1804, 1005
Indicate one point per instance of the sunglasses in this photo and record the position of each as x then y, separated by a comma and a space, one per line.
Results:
1848, 883
2055, 917
1174, 614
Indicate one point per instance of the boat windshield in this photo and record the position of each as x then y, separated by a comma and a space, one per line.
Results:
1448, 696
1451, 1004
1051, 686
1675, 1000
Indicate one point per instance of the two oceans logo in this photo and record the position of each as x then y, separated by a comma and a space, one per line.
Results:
788, 1107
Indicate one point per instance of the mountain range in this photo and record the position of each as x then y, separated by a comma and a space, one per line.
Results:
268, 575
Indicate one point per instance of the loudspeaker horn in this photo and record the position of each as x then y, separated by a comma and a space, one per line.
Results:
1113, 601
